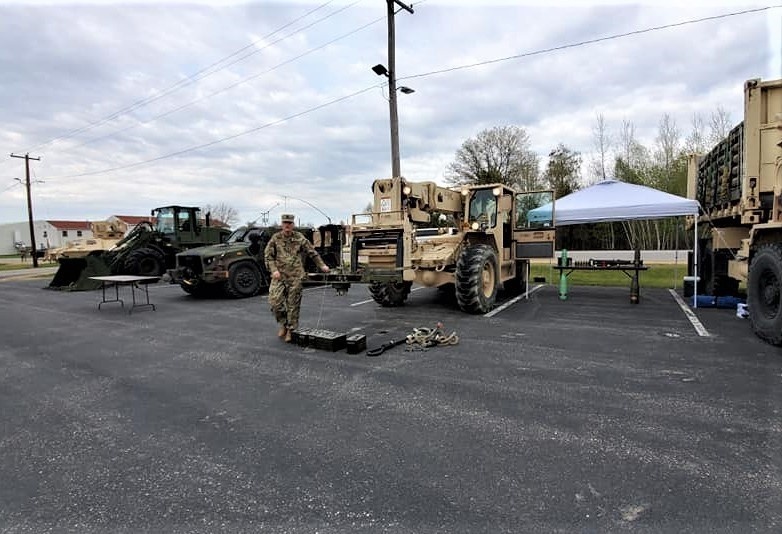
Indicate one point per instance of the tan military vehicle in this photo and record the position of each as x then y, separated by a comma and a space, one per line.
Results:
739, 186
484, 238
105, 234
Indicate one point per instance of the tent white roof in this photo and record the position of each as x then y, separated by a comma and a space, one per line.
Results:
611, 200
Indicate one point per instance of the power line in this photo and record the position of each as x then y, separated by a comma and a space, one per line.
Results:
229, 87
589, 41
201, 74
15, 184
421, 75
221, 140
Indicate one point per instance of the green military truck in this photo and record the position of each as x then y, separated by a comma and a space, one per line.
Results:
236, 268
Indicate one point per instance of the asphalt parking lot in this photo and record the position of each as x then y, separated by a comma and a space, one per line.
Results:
584, 415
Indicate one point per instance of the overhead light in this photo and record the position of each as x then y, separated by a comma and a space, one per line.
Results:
406, 90
380, 70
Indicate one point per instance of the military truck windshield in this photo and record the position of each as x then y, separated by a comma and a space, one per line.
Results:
164, 221
242, 234
237, 235
483, 207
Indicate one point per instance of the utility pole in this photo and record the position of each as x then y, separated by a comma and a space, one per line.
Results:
395, 166
27, 159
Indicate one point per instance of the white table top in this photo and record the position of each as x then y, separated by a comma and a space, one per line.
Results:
124, 278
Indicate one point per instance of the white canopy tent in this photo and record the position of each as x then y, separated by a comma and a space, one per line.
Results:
612, 200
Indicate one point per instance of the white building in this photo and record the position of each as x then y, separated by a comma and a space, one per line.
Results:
48, 234
52, 234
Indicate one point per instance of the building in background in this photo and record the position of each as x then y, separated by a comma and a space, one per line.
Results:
52, 234
48, 234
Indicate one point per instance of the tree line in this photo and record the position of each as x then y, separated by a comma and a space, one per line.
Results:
503, 154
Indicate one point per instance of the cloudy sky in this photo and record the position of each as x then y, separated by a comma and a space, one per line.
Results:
273, 106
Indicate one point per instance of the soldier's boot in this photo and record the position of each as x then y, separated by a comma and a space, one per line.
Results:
282, 331
289, 335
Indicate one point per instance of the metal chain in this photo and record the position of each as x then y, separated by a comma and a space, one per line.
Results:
428, 337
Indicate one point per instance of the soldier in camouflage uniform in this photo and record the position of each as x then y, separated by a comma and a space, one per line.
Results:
284, 259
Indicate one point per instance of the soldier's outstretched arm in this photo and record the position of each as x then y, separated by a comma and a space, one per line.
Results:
309, 249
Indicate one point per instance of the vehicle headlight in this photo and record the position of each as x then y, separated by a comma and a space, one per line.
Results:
209, 261
475, 225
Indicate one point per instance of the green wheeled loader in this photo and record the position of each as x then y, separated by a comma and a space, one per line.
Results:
149, 249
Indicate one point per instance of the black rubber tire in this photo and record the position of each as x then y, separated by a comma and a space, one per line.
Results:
144, 262
390, 294
244, 280
477, 275
764, 293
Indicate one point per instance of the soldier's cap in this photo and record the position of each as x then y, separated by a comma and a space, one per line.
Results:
288, 217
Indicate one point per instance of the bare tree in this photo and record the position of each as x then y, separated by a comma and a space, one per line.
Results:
667, 143
602, 144
497, 155
529, 178
228, 215
626, 141
631, 157
695, 143
720, 126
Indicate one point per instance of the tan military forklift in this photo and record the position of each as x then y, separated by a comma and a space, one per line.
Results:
483, 240
739, 186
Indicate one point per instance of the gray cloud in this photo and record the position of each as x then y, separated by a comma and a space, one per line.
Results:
65, 67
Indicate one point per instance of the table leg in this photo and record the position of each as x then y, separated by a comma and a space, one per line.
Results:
133, 288
103, 295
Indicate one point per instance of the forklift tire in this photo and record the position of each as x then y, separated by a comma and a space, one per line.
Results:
244, 280
477, 275
144, 261
390, 294
764, 285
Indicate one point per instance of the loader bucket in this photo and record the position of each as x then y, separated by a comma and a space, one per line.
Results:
74, 273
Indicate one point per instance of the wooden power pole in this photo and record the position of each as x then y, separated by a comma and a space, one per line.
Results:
395, 165
27, 159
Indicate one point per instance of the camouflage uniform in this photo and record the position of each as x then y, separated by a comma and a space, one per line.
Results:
285, 254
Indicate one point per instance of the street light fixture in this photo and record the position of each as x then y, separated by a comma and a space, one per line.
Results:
380, 70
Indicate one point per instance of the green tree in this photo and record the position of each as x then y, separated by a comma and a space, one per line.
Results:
563, 172
497, 155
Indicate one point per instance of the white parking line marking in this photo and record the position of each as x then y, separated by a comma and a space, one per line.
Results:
373, 300
511, 302
690, 315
